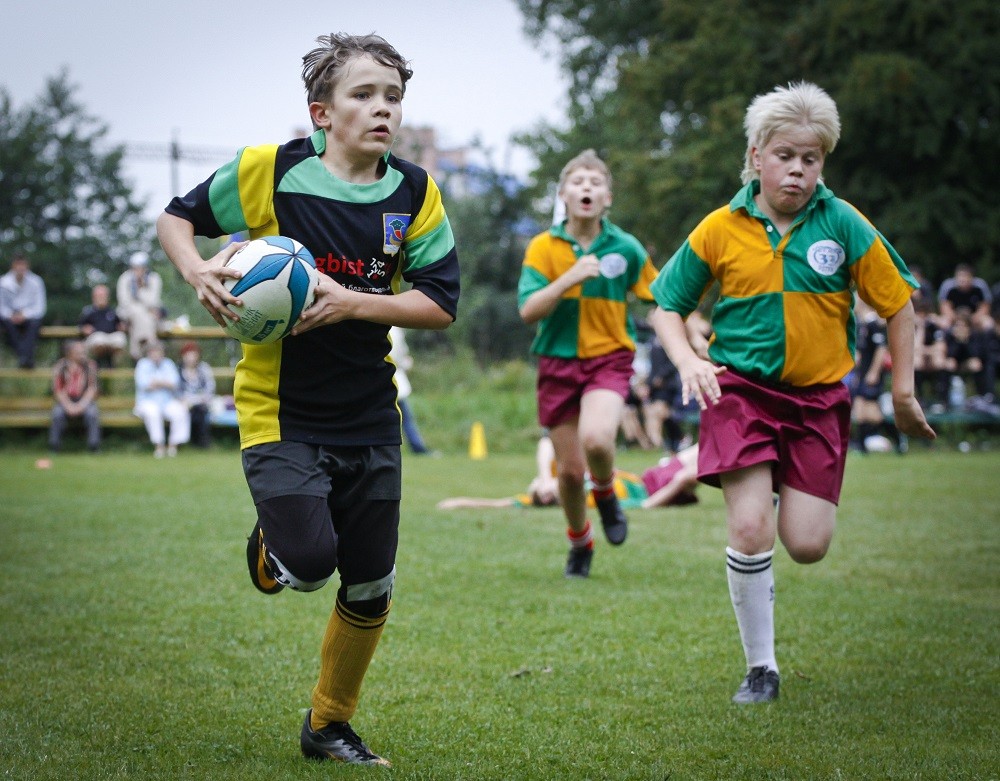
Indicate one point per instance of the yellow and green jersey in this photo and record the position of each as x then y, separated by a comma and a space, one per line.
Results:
332, 385
785, 311
592, 318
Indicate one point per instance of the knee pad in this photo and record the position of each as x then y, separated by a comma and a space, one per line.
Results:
286, 578
301, 544
369, 599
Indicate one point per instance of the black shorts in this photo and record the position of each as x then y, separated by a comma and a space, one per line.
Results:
338, 504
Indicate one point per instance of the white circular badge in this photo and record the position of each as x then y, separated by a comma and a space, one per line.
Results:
612, 265
826, 257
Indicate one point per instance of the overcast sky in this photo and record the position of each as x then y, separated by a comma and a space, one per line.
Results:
227, 74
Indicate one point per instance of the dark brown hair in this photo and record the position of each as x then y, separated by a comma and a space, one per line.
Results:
322, 66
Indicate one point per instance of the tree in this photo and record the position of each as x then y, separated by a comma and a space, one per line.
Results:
660, 87
63, 200
491, 231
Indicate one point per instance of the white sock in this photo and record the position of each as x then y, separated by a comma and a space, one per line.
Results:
751, 588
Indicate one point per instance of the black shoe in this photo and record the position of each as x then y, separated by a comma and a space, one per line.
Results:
260, 572
760, 685
578, 564
612, 519
339, 742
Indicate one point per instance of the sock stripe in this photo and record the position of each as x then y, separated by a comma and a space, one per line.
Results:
746, 564
581, 539
358, 621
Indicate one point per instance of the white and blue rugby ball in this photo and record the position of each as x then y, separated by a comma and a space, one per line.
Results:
278, 283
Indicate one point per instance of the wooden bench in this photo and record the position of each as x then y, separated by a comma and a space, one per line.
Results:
193, 332
26, 398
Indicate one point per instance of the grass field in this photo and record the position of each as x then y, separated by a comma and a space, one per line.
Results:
133, 645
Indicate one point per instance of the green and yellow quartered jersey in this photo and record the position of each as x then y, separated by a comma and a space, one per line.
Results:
592, 318
785, 312
332, 385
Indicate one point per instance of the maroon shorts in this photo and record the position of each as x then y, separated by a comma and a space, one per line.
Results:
803, 432
563, 381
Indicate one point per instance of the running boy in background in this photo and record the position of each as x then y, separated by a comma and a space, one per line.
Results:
775, 414
574, 283
319, 425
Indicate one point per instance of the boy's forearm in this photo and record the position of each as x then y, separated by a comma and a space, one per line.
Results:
177, 239
672, 333
411, 309
899, 329
542, 303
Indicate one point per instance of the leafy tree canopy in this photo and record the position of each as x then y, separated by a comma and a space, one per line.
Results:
659, 88
63, 200
491, 231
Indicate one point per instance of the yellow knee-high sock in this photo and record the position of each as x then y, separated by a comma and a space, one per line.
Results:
348, 647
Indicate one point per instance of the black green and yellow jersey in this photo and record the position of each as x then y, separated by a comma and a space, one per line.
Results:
592, 318
332, 385
785, 309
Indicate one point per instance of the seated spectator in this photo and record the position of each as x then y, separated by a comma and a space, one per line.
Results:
965, 291
22, 307
139, 290
872, 349
102, 329
74, 386
157, 401
664, 403
929, 355
633, 425
967, 354
197, 384
925, 290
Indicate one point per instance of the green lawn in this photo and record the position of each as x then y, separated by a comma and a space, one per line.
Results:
133, 645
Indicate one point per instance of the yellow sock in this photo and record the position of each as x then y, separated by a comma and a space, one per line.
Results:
348, 647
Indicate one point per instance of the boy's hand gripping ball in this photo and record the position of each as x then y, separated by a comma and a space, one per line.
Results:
278, 283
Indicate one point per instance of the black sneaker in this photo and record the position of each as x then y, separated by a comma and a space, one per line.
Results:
260, 572
760, 685
339, 742
612, 519
578, 564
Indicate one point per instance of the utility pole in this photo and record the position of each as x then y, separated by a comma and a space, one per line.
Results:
176, 154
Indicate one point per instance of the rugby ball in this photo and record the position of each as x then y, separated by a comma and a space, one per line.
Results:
278, 283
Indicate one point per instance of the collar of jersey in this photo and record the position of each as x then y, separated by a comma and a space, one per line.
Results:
744, 198
348, 191
559, 231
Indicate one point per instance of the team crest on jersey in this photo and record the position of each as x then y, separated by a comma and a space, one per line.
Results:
826, 257
612, 265
394, 227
